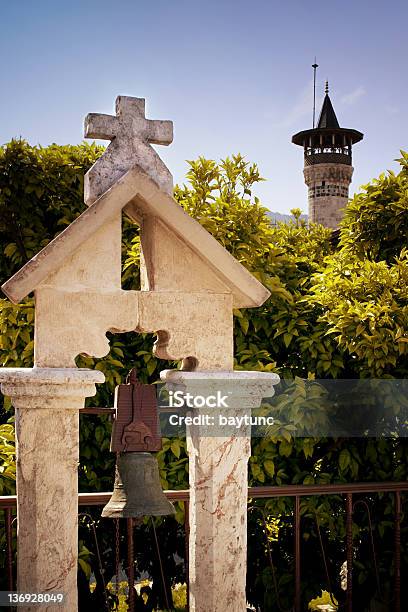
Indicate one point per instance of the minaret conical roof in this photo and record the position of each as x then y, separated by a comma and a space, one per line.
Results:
327, 117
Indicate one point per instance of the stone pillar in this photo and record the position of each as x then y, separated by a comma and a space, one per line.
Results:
219, 486
47, 423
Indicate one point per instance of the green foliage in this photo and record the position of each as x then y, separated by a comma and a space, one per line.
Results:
323, 600
376, 220
365, 307
173, 466
220, 198
41, 193
16, 334
84, 558
7, 459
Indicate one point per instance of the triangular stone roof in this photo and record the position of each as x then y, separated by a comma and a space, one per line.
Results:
139, 195
327, 117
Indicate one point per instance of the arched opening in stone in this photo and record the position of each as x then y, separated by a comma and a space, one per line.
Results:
127, 350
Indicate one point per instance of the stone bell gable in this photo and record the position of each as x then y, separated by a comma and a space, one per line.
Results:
189, 288
189, 281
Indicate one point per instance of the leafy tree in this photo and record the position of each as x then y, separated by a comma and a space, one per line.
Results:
41, 193
365, 306
375, 223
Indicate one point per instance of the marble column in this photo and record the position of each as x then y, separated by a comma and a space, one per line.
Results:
46, 401
218, 472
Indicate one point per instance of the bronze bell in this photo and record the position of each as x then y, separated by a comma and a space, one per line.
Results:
137, 491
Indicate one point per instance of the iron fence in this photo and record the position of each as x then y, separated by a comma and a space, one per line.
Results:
296, 492
349, 491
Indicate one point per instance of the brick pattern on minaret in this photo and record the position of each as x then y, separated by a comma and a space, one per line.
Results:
328, 166
328, 192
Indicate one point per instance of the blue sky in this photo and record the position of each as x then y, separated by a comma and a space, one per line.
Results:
232, 75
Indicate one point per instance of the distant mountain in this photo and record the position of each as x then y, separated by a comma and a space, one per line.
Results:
276, 217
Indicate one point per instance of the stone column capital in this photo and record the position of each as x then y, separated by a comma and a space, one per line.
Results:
246, 389
39, 387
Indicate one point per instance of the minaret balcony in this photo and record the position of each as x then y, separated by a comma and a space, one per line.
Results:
331, 156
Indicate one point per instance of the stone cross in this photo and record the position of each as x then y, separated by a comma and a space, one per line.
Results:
131, 136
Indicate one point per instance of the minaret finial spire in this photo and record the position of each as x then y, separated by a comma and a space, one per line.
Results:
315, 67
326, 89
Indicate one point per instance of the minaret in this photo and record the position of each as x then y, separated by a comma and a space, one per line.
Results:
328, 168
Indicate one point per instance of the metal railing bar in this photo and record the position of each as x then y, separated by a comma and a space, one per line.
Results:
131, 564
187, 548
164, 584
397, 552
9, 553
331, 489
297, 555
349, 550
96, 499
108, 411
